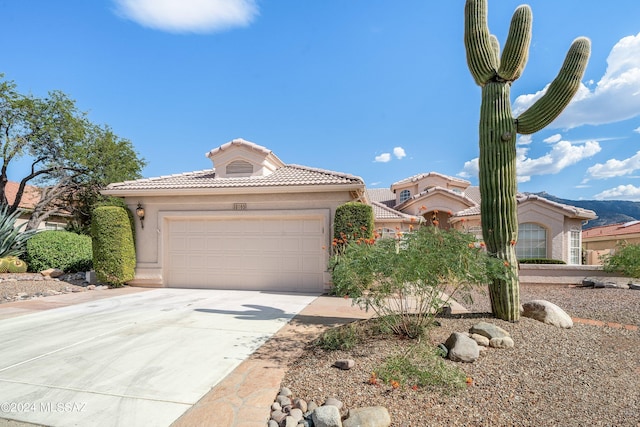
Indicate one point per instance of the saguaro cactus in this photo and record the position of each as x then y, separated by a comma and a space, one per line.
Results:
498, 129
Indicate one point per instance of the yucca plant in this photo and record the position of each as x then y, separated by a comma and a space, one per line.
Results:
12, 239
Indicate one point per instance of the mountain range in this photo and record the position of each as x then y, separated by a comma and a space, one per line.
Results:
608, 211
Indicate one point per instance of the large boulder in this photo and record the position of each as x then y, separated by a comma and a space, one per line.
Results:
462, 348
547, 312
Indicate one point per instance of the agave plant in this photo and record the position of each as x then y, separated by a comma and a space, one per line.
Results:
12, 239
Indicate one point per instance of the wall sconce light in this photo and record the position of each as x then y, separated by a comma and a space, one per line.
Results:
140, 214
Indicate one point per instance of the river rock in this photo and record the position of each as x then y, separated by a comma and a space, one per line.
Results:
462, 348
373, 416
547, 312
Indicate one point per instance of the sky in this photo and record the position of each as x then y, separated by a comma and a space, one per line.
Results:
375, 88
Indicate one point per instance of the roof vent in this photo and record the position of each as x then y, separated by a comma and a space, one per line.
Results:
239, 168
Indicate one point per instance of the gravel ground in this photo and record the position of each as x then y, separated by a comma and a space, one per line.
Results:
17, 287
587, 375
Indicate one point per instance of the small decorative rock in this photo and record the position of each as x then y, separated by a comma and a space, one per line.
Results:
283, 400
547, 312
488, 330
332, 401
326, 416
272, 423
278, 416
300, 404
503, 342
462, 348
284, 391
634, 286
345, 364
374, 416
480, 339
290, 422
52, 272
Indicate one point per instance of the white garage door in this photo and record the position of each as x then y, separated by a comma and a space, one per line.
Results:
259, 253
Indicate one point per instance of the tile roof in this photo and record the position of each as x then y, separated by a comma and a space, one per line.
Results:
420, 176
30, 196
382, 195
622, 229
289, 175
239, 142
384, 212
571, 211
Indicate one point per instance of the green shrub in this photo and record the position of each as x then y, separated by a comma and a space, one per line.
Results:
540, 261
114, 256
67, 251
355, 220
625, 259
117, 201
12, 239
402, 279
421, 366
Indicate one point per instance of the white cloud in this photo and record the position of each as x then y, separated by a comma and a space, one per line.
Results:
470, 169
383, 158
553, 139
614, 167
616, 96
637, 129
562, 155
189, 16
399, 152
524, 139
621, 192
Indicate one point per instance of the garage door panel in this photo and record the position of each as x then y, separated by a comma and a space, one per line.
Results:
282, 254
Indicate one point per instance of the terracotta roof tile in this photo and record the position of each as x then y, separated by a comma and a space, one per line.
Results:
631, 227
289, 175
30, 196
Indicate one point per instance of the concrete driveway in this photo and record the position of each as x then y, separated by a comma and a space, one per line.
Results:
133, 360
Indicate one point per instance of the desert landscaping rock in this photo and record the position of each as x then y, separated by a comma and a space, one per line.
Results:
345, 364
375, 416
502, 342
634, 286
488, 330
462, 348
300, 404
480, 339
52, 273
326, 416
547, 312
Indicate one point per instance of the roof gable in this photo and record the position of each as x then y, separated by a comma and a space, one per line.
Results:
241, 158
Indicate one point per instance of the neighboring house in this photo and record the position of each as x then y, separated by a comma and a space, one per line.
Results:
250, 222
603, 240
30, 198
546, 230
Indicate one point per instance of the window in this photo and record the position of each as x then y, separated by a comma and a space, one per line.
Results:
53, 226
405, 195
532, 241
575, 250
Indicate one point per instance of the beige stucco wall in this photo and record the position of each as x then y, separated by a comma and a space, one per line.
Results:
149, 268
553, 221
597, 247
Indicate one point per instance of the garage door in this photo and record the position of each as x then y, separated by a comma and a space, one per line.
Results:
259, 253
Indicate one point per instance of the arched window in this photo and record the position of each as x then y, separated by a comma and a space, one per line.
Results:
532, 241
405, 195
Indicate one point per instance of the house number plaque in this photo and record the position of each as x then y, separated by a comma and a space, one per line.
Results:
239, 206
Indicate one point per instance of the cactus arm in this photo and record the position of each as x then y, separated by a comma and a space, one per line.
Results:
481, 57
560, 91
495, 45
516, 50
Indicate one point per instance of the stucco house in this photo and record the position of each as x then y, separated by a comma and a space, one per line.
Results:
249, 222
546, 229
601, 241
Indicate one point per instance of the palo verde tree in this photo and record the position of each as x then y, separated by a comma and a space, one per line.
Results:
495, 72
68, 154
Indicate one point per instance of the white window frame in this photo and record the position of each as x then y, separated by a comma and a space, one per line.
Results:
405, 195
529, 244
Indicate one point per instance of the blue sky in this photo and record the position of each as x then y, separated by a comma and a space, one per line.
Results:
375, 88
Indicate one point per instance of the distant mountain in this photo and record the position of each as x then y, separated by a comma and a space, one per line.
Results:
608, 211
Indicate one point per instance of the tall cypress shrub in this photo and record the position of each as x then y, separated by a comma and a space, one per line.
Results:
353, 219
114, 256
